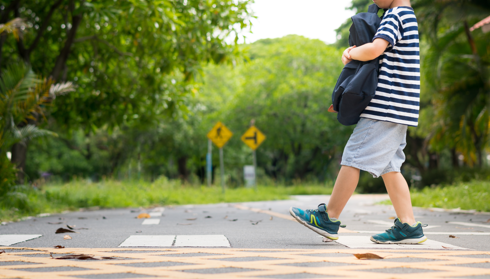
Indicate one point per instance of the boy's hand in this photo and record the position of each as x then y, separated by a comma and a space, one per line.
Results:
346, 56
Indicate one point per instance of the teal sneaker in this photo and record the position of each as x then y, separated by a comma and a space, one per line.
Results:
317, 220
401, 233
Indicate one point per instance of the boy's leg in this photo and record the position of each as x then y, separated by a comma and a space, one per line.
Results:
321, 220
405, 230
397, 188
343, 189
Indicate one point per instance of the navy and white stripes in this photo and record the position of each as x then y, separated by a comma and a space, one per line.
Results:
397, 97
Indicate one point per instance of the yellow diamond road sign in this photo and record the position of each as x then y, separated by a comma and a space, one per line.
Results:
253, 137
219, 135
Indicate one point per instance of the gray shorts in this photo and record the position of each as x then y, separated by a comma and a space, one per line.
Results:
376, 147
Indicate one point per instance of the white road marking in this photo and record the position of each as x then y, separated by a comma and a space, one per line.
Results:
155, 214
148, 241
201, 241
389, 224
436, 233
151, 222
9, 239
362, 242
470, 224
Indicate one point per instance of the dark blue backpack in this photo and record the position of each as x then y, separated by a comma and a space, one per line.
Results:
357, 83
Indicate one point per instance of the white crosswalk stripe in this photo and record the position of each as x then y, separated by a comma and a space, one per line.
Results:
363, 242
176, 241
10, 239
151, 222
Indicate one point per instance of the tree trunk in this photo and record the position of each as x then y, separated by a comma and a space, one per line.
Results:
19, 152
182, 168
454, 158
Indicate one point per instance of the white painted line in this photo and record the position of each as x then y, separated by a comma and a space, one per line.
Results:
155, 214
470, 224
436, 233
151, 222
389, 224
148, 241
363, 242
201, 241
9, 239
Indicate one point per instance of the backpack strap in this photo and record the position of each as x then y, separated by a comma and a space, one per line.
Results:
373, 8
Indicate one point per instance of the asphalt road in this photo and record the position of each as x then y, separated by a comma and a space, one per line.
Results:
247, 225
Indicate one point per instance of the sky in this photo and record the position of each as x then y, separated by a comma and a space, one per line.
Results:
314, 19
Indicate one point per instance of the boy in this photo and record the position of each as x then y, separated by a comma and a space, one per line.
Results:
377, 143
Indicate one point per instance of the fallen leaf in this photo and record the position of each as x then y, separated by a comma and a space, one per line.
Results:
226, 217
59, 247
187, 211
255, 222
61, 218
134, 210
82, 217
488, 221
191, 219
63, 230
368, 256
55, 223
208, 217
67, 237
453, 236
103, 217
143, 215
271, 218
184, 224
233, 220
77, 257
71, 227
138, 231
392, 218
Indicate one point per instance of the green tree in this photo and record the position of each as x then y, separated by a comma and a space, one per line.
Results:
121, 55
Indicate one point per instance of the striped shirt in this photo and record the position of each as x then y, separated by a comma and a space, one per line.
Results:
397, 97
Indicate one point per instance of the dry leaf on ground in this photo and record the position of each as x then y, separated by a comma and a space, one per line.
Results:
55, 223
81, 257
368, 256
59, 247
191, 219
233, 220
67, 237
63, 230
392, 218
82, 217
453, 236
208, 217
271, 218
144, 215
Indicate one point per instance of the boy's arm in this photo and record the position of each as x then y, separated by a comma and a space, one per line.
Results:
369, 51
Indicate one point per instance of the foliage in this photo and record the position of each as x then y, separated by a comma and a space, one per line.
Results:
23, 97
472, 195
455, 77
109, 194
285, 86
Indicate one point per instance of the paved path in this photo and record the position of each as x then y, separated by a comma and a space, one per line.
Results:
246, 240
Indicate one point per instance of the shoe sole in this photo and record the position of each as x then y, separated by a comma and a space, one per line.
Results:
318, 231
404, 241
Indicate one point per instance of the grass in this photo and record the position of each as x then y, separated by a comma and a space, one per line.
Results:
27, 201
470, 195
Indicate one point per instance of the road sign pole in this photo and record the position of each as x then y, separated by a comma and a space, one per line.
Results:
209, 163
255, 170
222, 165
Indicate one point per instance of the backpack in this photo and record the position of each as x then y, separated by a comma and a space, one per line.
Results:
358, 80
